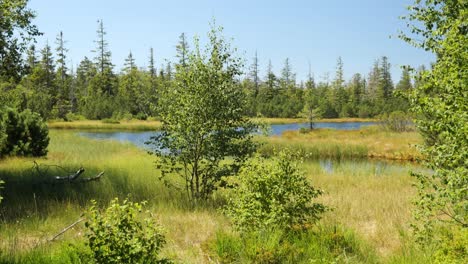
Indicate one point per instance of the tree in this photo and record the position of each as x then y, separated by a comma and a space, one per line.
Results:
63, 79
16, 31
103, 61
441, 103
288, 78
203, 122
405, 81
254, 73
182, 49
386, 83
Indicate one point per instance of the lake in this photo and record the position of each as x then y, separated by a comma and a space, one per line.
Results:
139, 138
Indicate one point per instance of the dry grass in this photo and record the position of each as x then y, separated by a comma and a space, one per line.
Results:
374, 199
379, 144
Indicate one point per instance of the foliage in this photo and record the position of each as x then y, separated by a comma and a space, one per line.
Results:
203, 121
273, 194
453, 248
397, 121
118, 236
24, 134
441, 104
16, 30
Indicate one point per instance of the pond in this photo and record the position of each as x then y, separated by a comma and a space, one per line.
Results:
139, 138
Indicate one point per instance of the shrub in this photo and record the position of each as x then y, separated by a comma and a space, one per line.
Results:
397, 121
273, 194
23, 134
117, 236
73, 117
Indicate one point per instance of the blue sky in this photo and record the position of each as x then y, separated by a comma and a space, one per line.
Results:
316, 30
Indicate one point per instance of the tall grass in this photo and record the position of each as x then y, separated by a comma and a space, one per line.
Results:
369, 142
373, 199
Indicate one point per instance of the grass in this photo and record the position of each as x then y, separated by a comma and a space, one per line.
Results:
133, 125
368, 142
372, 199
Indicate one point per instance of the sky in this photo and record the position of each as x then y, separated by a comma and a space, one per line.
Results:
305, 31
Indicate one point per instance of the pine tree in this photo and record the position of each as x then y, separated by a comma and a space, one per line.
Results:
271, 77
288, 78
63, 79
103, 60
182, 49
31, 60
405, 81
254, 73
386, 82
151, 67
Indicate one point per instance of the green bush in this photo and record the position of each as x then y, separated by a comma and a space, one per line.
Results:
23, 134
453, 247
118, 236
74, 117
273, 194
397, 121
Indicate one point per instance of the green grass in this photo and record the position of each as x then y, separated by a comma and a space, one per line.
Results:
371, 203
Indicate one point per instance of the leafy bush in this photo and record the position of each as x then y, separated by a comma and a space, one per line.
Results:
23, 134
397, 121
118, 236
273, 194
74, 117
453, 247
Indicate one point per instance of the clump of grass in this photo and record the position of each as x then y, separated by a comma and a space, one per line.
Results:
321, 244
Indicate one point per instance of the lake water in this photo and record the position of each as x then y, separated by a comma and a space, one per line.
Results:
139, 138
326, 165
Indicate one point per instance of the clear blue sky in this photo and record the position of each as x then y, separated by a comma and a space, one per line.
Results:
304, 30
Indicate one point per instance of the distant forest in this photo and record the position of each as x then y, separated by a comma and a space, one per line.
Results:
43, 82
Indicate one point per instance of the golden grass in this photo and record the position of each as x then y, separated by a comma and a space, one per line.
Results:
374, 199
380, 144
136, 125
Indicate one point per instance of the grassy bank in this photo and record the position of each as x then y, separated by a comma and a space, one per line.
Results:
372, 199
368, 142
132, 125
280, 121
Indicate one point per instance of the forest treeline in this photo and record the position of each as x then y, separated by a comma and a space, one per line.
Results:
44, 83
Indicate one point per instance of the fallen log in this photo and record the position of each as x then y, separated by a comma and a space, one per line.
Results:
71, 177
95, 178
